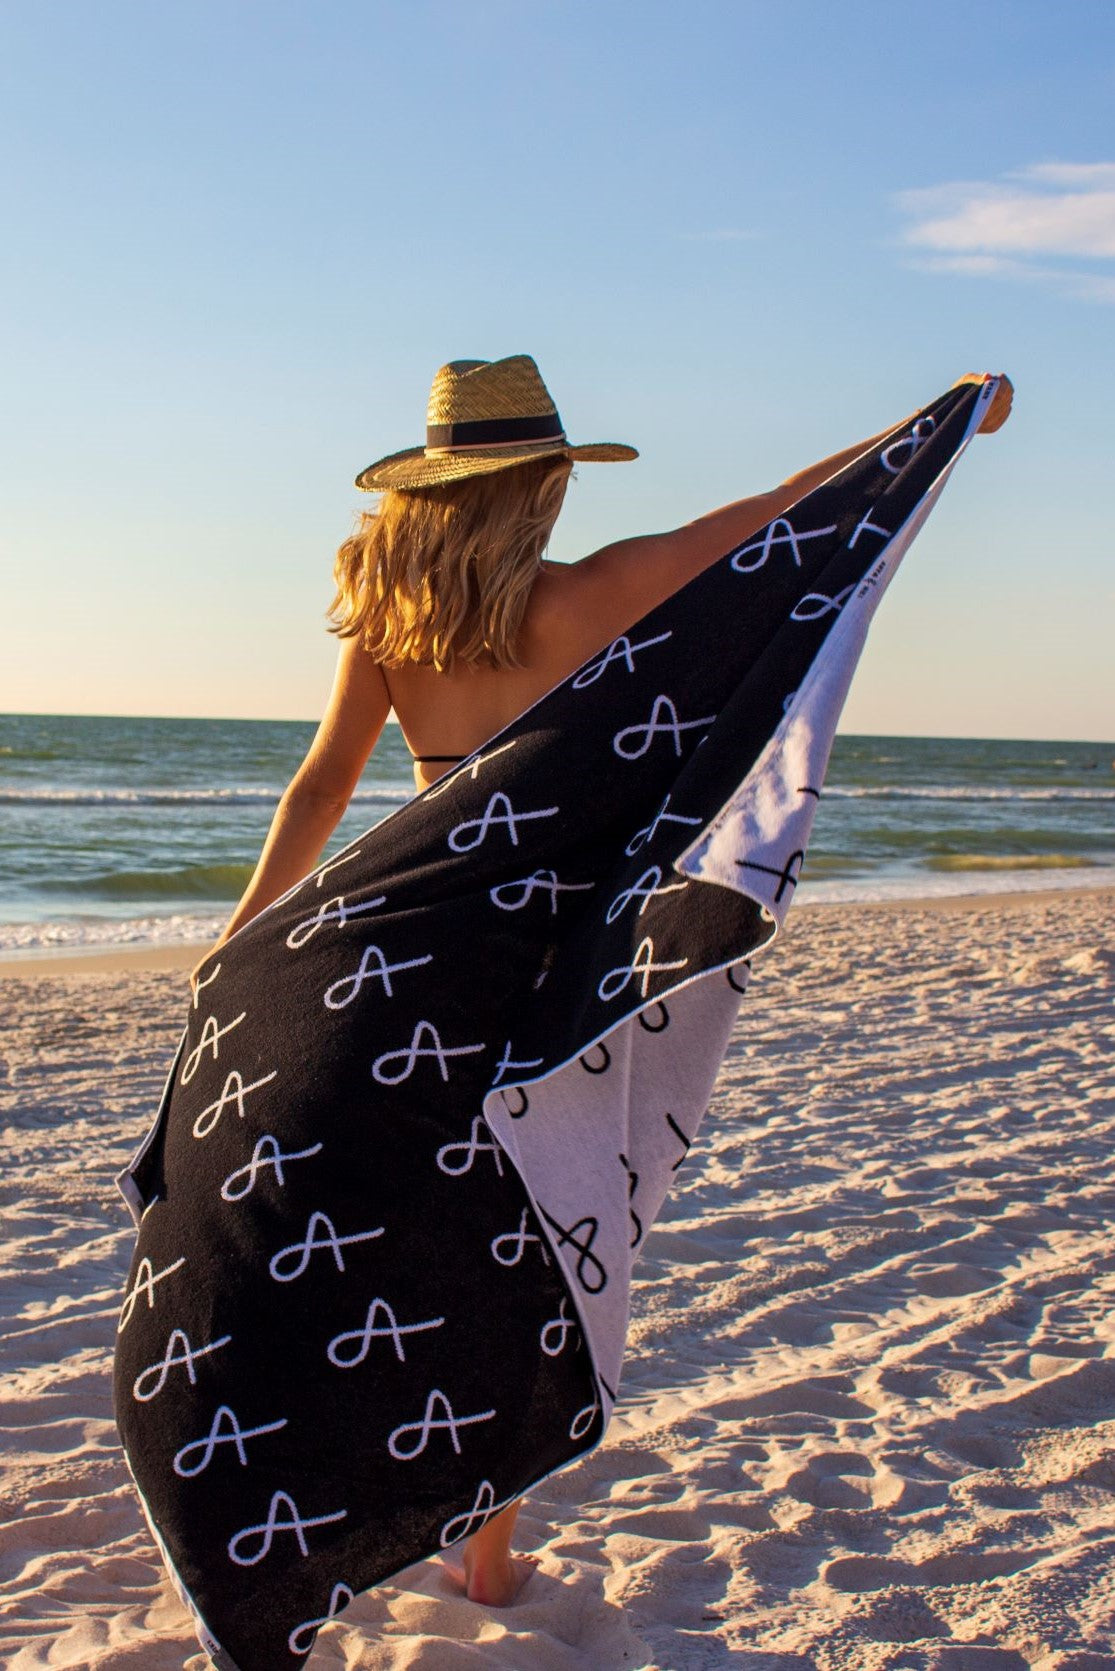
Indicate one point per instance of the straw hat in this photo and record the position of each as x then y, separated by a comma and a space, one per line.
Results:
484, 415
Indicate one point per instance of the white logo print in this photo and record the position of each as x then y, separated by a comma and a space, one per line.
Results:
330, 911
266, 1531
199, 986
409, 1057
669, 725
235, 1436
505, 1064
644, 890
146, 1278
512, 896
498, 811
509, 1248
866, 526
373, 967
429, 1424
484, 1505
469, 771
780, 533
390, 1329
642, 967
301, 1639
583, 1420
480, 1142
621, 650
178, 1351
266, 1153
815, 604
552, 1338
335, 864
642, 837
310, 1244
234, 1091
211, 1036
910, 444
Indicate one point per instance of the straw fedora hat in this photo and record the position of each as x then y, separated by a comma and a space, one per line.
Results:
484, 415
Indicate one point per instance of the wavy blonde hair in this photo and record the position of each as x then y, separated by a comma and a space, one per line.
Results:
437, 574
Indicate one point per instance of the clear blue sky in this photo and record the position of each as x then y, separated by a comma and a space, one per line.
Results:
239, 238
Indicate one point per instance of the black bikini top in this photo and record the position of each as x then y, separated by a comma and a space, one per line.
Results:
438, 759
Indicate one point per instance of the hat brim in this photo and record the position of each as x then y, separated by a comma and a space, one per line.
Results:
416, 467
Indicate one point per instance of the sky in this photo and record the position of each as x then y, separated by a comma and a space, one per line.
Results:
239, 238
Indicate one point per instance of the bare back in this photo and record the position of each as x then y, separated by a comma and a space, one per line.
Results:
573, 610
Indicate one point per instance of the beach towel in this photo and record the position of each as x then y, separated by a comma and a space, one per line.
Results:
428, 1104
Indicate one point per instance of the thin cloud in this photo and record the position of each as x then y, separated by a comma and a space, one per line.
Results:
1014, 228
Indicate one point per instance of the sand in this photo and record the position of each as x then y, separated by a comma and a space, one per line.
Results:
868, 1416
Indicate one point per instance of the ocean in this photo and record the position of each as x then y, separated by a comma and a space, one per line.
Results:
133, 831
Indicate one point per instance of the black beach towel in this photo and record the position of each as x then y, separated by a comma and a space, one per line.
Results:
428, 1104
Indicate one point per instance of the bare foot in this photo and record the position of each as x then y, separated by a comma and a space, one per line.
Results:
492, 1583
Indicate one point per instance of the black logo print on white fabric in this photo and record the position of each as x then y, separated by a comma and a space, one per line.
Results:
648, 887
266, 1531
602, 1062
787, 876
686, 1142
512, 896
301, 1639
145, 1279
350, 1348
499, 813
509, 1247
234, 1090
663, 816
283, 1270
654, 1019
211, 1036
621, 649
478, 1142
632, 1186
591, 1274
267, 1153
778, 535
217, 1435
641, 968
373, 967
410, 1055
330, 911
448, 1422
178, 1351
664, 721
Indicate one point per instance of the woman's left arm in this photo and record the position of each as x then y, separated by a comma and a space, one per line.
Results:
314, 801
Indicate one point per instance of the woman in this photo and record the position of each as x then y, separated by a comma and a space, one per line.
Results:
450, 615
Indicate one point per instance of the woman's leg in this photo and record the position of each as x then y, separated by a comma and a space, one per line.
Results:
493, 1576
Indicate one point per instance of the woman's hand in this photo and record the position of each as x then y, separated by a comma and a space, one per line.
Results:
999, 410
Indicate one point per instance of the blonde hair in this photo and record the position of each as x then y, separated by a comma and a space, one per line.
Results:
434, 574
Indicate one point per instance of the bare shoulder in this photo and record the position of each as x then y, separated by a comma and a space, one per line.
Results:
635, 575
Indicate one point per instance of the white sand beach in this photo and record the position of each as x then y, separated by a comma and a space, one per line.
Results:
868, 1415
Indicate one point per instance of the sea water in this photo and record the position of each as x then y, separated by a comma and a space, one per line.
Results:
130, 831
